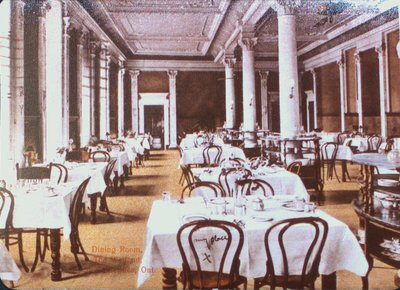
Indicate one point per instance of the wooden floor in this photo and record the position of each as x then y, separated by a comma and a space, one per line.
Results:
115, 245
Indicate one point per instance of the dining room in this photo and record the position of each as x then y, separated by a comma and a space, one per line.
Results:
200, 144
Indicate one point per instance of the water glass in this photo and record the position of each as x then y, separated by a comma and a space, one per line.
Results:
166, 196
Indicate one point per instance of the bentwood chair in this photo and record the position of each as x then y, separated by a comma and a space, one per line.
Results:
188, 174
210, 267
62, 175
256, 187
7, 231
212, 155
294, 167
203, 188
75, 214
281, 271
100, 156
328, 158
374, 142
227, 179
342, 136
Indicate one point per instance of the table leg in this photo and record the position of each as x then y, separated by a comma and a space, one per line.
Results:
169, 278
329, 281
93, 206
55, 254
344, 170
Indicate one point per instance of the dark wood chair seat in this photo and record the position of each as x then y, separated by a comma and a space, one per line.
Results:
211, 280
293, 281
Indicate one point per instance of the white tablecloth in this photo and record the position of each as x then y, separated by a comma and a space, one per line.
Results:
189, 141
8, 269
283, 182
341, 251
134, 145
35, 207
78, 172
360, 143
195, 155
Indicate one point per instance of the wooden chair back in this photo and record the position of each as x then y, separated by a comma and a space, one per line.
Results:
6, 214
295, 167
227, 179
257, 187
212, 155
203, 188
100, 156
62, 175
317, 230
210, 264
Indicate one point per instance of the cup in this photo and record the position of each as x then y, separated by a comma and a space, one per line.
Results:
166, 196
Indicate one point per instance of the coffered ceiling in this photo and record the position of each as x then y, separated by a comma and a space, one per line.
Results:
202, 29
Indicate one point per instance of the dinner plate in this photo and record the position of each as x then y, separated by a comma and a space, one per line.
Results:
194, 217
388, 182
292, 207
261, 218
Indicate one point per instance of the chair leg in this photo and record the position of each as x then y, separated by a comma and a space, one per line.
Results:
93, 205
21, 253
37, 251
334, 169
75, 249
364, 282
80, 246
103, 204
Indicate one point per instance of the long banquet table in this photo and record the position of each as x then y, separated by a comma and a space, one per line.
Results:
341, 251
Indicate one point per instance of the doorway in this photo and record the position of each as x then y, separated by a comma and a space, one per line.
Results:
154, 121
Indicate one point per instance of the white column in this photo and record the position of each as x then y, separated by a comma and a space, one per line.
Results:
79, 75
134, 99
121, 107
65, 78
249, 90
342, 79
41, 71
92, 66
103, 118
172, 108
107, 109
288, 72
53, 78
17, 81
264, 99
359, 89
314, 75
382, 88
230, 99
5, 89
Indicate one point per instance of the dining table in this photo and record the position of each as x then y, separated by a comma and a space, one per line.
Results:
45, 205
341, 251
195, 155
282, 181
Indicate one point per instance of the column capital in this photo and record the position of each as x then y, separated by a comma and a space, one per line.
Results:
134, 73
104, 45
340, 63
42, 8
380, 50
93, 46
357, 57
121, 66
287, 7
313, 72
264, 74
248, 44
172, 74
229, 60
80, 37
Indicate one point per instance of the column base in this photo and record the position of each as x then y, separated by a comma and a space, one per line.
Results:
172, 146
